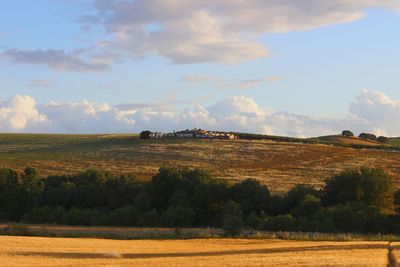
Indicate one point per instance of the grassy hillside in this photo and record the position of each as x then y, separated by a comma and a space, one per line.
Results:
280, 165
348, 141
395, 142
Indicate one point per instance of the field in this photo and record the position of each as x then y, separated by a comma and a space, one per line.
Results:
280, 165
39, 251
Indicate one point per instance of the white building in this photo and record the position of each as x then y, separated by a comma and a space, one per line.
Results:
157, 135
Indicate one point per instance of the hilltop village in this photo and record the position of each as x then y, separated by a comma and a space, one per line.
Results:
193, 133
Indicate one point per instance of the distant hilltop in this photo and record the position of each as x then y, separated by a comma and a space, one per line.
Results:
189, 133
346, 138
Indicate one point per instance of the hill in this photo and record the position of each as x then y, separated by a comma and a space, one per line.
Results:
280, 165
348, 141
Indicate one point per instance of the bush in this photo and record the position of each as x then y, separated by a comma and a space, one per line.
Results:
347, 133
232, 218
308, 206
352, 201
253, 221
396, 201
280, 223
367, 136
149, 218
383, 139
178, 217
18, 230
250, 195
366, 186
40, 215
145, 135
124, 216
296, 195
77, 216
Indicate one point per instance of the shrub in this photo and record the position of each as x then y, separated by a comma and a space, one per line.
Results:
383, 139
178, 217
367, 186
347, 133
145, 135
149, 218
253, 221
124, 216
396, 201
40, 215
276, 205
232, 218
18, 230
367, 136
296, 195
308, 206
280, 223
353, 201
250, 195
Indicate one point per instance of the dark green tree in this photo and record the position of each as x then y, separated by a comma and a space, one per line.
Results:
347, 133
250, 195
232, 218
296, 195
145, 135
367, 186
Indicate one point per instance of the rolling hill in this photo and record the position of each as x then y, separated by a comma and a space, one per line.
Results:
279, 165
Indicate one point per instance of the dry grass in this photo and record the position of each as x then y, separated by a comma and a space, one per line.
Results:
278, 165
35, 251
358, 141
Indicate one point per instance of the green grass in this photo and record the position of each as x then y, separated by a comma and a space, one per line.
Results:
394, 142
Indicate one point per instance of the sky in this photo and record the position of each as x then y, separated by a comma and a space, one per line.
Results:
295, 68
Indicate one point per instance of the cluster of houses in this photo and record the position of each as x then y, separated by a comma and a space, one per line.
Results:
194, 133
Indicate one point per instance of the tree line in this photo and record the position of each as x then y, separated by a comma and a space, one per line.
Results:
358, 201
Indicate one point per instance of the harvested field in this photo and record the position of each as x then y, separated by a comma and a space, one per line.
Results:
38, 251
279, 165
358, 141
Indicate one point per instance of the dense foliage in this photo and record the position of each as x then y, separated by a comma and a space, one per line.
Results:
145, 135
367, 136
361, 201
347, 133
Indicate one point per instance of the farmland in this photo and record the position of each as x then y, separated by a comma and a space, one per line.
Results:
279, 165
38, 251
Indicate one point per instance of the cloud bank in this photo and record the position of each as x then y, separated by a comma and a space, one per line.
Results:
187, 32
199, 31
371, 111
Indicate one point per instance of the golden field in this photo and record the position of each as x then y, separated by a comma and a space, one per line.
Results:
39, 251
279, 165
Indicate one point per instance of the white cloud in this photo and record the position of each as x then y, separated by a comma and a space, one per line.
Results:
213, 31
371, 112
186, 32
381, 112
20, 114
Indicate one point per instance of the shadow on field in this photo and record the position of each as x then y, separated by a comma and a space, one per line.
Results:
77, 255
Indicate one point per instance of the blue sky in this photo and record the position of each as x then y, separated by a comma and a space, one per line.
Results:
313, 63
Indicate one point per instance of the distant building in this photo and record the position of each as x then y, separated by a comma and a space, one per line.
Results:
186, 133
203, 134
157, 135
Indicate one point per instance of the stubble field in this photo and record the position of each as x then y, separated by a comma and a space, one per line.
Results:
39, 251
279, 165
